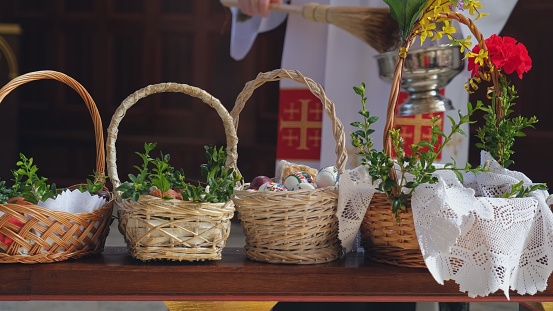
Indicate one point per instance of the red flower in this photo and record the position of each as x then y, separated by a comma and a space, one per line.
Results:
505, 53
494, 43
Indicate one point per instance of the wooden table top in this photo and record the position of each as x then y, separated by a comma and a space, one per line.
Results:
115, 275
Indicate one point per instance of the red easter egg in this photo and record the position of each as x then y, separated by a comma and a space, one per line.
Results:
258, 181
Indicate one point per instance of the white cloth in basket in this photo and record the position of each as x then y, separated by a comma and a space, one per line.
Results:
467, 235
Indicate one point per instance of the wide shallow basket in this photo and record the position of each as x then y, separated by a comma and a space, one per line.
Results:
385, 238
178, 230
291, 227
42, 235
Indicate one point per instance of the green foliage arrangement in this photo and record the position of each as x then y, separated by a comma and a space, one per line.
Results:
157, 174
497, 135
33, 188
419, 164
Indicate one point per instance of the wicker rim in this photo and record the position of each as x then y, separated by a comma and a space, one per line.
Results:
398, 72
89, 102
205, 97
315, 88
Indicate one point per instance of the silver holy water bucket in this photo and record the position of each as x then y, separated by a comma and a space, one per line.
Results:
425, 72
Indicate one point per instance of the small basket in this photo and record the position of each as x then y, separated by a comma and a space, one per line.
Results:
386, 239
42, 235
177, 230
291, 227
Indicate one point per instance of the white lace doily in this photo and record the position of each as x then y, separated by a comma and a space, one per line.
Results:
467, 235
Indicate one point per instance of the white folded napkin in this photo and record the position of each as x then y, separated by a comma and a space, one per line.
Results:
74, 201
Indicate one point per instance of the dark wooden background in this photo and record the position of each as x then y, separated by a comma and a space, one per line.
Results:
115, 47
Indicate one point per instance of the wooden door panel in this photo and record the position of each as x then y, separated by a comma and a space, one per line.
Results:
114, 48
529, 23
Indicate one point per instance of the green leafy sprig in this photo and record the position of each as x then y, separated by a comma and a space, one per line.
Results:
34, 188
94, 184
28, 184
220, 181
518, 190
412, 170
140, 183
497, 135
218, 187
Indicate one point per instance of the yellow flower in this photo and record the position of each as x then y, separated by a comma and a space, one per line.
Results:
430, 15
480, 57
472, 6
464, 43
480, 15
427, 29
448, 30
438, 36
434, 8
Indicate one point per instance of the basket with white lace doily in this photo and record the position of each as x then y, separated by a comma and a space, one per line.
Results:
487, 229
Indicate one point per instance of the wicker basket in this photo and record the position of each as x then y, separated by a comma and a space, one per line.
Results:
43, 235
178, 230
291, 227
385, 239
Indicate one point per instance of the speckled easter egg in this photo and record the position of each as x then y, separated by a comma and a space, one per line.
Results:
272, 186
327, 176
295, 178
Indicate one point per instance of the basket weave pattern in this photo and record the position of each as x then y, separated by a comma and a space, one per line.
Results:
43, 235
291, 227
178, 230
388, 240
385, 239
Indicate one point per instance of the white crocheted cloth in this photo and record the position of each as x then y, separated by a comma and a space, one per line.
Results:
467, 235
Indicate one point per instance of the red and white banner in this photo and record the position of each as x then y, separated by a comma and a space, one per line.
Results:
299, 125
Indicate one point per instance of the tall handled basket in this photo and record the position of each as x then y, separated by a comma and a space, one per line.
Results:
179, 230
43, 235
291, 227
385, 238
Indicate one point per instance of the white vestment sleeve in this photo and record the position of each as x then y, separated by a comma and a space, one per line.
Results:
243, 33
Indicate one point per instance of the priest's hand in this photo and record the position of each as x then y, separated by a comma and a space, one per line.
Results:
256, 7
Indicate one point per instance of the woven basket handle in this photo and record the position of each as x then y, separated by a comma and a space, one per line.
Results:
92, 109
230, 132
398, 71
315, 88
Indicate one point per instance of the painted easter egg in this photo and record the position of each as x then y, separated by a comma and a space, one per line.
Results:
295, 178
327, 176
272, 186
